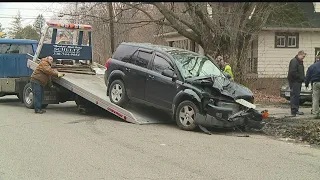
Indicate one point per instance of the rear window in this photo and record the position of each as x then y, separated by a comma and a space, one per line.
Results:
124, 52
16, 49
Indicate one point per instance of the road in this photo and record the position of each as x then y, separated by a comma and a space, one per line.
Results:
63, 144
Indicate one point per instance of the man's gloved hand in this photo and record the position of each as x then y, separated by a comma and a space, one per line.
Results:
60, 75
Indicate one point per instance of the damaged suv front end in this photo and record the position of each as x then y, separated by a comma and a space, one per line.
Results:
227, 104
224, 103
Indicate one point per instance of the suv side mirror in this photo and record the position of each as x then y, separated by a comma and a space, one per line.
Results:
169, 73
227, 75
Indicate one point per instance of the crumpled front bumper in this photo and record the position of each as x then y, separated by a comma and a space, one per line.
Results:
223, 117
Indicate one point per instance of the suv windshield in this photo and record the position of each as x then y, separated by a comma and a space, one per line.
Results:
193, 65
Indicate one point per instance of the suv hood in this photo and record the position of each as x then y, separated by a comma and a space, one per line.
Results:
225, 87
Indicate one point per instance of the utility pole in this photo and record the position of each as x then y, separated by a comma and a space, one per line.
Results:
77, 21
111, 25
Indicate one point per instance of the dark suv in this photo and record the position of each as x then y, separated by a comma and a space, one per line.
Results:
186, 84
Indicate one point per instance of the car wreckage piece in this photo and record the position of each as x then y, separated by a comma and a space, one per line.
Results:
229, 109
226, 117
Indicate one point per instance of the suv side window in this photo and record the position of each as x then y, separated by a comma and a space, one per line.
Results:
160, 64
124, 52
141, 58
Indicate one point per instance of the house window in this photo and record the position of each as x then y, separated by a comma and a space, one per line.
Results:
286, 40
292, 41
281, 41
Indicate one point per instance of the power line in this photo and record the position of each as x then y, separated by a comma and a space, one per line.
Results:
22, 9
42, 11
33, 18
9, 15
22, 17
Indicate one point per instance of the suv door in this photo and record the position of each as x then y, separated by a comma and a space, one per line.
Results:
136, 70
160, 90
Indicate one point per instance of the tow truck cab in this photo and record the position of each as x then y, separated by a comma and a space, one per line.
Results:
72, 58
14, 74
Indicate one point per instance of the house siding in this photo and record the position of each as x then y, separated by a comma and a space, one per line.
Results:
274, 62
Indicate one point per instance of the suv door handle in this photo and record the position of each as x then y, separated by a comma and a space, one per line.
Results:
151, 77
127, 69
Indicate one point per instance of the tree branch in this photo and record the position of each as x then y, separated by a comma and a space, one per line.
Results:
181, 30
175, 16
148, 15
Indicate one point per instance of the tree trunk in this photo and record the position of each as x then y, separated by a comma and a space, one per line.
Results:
110, 9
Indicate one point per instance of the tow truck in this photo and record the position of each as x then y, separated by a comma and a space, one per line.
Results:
81, 82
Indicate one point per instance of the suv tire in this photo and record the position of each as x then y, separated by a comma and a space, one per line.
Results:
185, 115
117, 93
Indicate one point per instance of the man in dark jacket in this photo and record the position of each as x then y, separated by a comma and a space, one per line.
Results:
313, 76
39, 79
296, 77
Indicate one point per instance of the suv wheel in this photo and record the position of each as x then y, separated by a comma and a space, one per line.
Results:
117, 93
185, 115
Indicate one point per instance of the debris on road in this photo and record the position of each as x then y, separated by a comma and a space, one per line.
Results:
294, 130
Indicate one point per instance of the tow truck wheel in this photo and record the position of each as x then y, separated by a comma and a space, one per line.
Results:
28, 96
117, 93
185, 115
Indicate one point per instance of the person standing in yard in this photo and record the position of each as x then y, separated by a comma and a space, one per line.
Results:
295, 78
226, 68
39, 79
218, 60
313, 76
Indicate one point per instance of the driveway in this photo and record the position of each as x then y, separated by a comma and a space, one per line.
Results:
62, 144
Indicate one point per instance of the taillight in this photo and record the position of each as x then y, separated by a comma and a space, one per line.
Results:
107, 63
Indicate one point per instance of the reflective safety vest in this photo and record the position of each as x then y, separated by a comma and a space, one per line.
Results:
227, 69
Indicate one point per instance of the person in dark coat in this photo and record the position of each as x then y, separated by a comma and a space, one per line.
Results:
296, 77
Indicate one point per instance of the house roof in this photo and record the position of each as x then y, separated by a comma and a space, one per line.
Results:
311, 14
305, 19
301, 15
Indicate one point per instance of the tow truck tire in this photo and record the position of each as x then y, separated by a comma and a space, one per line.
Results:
27, 97
118, 93
185, 115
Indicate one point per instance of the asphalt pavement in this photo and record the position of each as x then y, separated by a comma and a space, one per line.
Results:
63, 144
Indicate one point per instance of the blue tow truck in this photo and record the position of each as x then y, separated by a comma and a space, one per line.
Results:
14, 73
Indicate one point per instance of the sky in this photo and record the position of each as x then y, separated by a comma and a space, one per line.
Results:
29, 11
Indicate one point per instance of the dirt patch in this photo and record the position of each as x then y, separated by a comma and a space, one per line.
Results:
296, 130
267, 99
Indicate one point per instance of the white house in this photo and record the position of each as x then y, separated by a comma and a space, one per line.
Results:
271, 52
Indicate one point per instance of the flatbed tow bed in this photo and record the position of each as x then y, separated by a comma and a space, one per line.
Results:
88, 85
92, 88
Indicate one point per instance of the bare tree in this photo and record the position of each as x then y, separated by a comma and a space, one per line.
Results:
219, 28
129, 24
